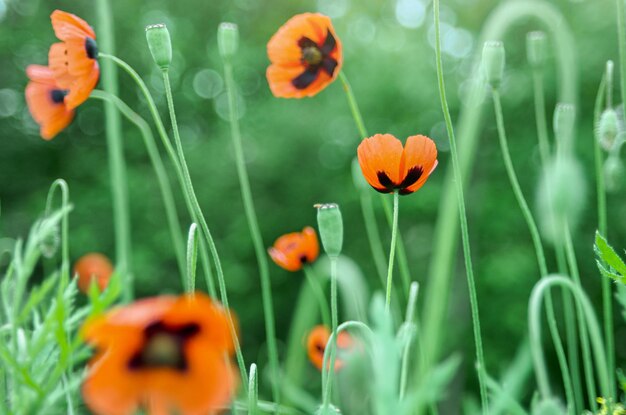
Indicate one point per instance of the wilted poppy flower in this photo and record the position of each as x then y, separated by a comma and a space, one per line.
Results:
316, 345
305, 56
163, 354
291, 251
90, 267
388, 167
45, 101
74, 60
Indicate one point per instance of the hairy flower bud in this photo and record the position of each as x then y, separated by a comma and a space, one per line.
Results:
160, 45
493, 62
608, 129
227, 39
536, 49
613, 173
330, 226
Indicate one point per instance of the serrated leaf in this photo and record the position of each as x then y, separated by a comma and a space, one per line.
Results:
608, 255
609, 274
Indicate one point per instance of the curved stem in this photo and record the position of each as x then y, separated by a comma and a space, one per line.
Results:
255, 232
203, 223
319, 294
327, 378
159, 170
173, 158
192, 257
458, 179
392, 250
65, 201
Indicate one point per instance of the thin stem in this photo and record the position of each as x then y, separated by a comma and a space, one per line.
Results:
65, 201
373, 236
192, 257
462, 216
354, 107
253, 391
329, 372
173, 158
255, 232
319, 294
540, 117
410, 325
159, 170
203, 223
403, 264
392, 250
117, 165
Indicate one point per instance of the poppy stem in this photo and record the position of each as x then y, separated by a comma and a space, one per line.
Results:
458, 181
253, 391
392, 249
173, 158
255, 232
192, 257
205, 228
117, 165
159, 170
328, 372
354, 106
319, 294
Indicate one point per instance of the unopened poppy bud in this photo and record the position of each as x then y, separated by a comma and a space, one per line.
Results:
93, 267
564, 119
536, 49
561, 197
227, 39
330, 226
493, 62
613, 173
160, 45
608, 128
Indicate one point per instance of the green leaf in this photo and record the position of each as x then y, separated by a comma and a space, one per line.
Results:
608, 255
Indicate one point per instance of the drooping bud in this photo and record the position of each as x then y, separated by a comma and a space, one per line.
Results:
608, 128
160, 45
330, 226
561, 197
493, 62
564, 121
227, 39
613, 173
536, 49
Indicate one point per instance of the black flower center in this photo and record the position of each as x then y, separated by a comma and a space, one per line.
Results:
388, 186
57, 95
315, 58
91, 48
163, 347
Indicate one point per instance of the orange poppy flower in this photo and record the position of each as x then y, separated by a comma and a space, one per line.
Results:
305, 56
388, 167
293, 250
93, 266
316, 345
45, 101
74, 59
163, 354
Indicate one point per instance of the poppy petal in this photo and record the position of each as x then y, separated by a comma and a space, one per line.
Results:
380, 157
67, 26
280, 79
419, 152
283, 47
81, 89
311, 244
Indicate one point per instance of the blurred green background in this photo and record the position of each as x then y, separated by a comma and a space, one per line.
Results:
299, 152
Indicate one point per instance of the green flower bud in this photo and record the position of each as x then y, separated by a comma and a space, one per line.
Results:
160, 45
613, 173
493, 62
227, 39
564, 121
561, 197
608, 128
536, 49
331, 228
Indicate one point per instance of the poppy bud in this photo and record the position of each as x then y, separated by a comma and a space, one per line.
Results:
561, 197
613, 173
160, 45
608, 128
564, 119
493, 62
330, 228
227, 39
536, 49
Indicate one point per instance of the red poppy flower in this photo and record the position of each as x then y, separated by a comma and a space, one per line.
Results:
74, 59
316, 345
306, 56
388, 167
45, 101
93, 266
293, 250
163, 354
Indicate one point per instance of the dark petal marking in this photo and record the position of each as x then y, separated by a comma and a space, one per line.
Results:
57, 95
385, 181
412, 176
306, 78
329, 44
384, 191
329, 65
91, 48
303, 259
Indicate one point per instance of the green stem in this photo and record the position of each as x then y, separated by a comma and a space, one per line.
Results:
65, 201
117, 165
203, 224
253, 391
319, 294
354, 106
159, 170
540, 117
173, 158
192, 257
253, 225
409, 325
480, 361
392, 250
328, 372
